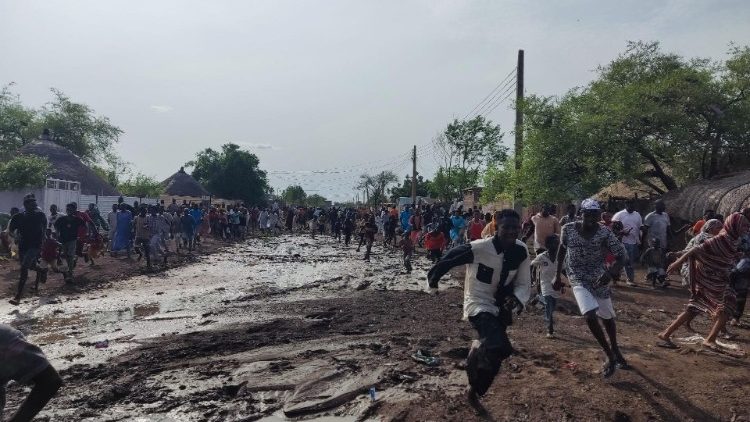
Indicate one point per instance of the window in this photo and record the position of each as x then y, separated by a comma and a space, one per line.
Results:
73, 186
51, 184
62, 185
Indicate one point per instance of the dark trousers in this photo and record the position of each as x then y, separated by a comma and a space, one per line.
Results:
407, 261
347, 238
740, 282
435, 255
145, 246
28, 257
493, 347
550, 303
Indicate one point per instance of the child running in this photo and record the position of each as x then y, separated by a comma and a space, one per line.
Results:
546, 270
407, 246
434, 242
654, 259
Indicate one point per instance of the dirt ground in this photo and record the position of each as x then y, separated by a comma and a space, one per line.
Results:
290, 327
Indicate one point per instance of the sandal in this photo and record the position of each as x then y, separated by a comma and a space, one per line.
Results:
667, 344
608, 368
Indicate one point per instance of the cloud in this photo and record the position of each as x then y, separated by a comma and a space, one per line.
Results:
161, 108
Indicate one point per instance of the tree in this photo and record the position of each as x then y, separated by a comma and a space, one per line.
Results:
16, 123
466, 148
141, 186
74, 126
499, 182
650, 117
316, 200
423, 188
231, 173
23, 171
381, 181
367, 184
294, 195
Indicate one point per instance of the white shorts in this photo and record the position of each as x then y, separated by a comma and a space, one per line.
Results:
588, 302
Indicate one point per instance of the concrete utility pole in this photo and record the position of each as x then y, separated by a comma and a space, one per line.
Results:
519, 127
414, 177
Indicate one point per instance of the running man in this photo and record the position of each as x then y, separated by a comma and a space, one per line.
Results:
581, 248
497, 284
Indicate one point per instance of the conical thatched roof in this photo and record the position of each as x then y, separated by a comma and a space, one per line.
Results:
183, 184
67, 166
724, 195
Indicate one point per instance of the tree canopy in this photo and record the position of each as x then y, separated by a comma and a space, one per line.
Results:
316, 200
375, 186
651, 117
141, 186
294, 195
466, 148
423, 188
231, 173
23, 171
75, 126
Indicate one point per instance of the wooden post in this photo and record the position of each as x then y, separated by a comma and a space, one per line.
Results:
414, 177
519, 127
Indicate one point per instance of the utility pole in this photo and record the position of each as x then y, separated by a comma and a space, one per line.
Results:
414, 177
519, 127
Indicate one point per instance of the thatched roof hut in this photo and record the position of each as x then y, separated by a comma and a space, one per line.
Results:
67, 166
183, 185
725, 195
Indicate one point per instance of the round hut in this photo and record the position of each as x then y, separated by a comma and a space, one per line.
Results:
67, 166
183, 187
725, 195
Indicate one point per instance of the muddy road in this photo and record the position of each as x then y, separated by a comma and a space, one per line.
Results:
296, 328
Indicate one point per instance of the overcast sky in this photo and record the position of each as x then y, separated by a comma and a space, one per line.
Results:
320, 85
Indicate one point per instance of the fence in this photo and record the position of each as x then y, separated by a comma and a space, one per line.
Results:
104, 203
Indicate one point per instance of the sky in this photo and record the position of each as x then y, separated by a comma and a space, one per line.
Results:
322, 91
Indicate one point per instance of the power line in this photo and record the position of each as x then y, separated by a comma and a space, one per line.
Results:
498, 103
490, 94
508, 88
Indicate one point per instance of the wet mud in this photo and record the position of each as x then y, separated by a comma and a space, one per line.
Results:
291, 328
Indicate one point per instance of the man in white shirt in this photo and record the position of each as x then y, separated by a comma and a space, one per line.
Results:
632, 222
498, 283
657, 225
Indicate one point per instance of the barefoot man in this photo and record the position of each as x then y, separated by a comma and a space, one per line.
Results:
581, 249
497, 284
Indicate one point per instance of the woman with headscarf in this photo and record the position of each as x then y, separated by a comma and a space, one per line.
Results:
710, 265
708, 230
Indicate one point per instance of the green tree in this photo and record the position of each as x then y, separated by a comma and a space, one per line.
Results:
231, 173
423, 188
73, 125
367, 184
141, 186
16, 123
23, 171
466, 148
650, 117
294, 195
76, 127
316, 200
499, 182
381, 181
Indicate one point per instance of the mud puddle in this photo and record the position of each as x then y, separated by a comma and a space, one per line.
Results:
167, 344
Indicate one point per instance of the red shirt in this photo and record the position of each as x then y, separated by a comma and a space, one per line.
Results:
49, 249
475, 230
434, 241
83, 230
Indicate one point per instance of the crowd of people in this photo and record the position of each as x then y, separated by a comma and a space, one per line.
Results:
586, 250
590, 249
